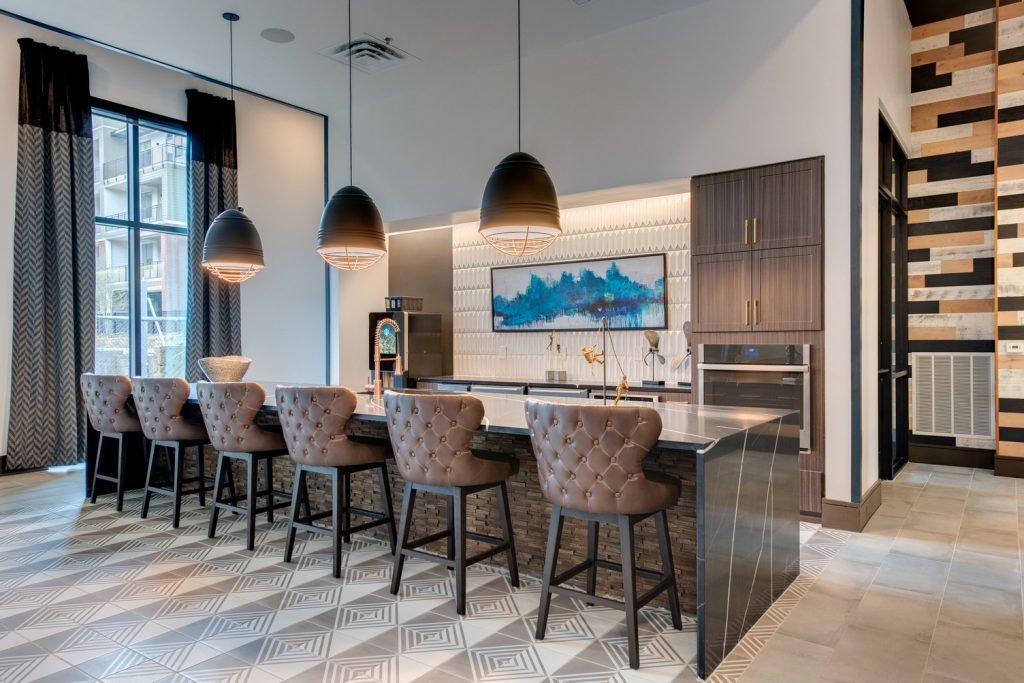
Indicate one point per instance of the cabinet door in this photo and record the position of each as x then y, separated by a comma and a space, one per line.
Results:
787, 204
721, 212
787, 289
720, 292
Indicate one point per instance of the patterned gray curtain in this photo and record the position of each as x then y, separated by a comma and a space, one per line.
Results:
214, 307
54, 260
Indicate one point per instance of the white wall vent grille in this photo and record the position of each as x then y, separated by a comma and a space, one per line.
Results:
954, 394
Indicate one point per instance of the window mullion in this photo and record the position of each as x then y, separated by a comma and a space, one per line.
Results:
134, 259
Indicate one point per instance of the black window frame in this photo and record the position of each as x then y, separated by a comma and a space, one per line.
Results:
134, 223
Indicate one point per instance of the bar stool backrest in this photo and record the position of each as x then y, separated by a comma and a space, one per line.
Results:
590, 457
229, 411
106, 402
314, 422
160, 402
430, 435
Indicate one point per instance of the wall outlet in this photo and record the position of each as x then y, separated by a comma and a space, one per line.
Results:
1015, 347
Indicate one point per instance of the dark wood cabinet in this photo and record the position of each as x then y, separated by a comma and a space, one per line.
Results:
757, 235
787, 206
769, 207
720, 212
721, 292
786, 289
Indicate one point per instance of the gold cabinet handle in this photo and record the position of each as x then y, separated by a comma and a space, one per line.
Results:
755, 230
746, 231
746, 313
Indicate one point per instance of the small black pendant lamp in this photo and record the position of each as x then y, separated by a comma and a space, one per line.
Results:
519, 215
351, 234
232, 250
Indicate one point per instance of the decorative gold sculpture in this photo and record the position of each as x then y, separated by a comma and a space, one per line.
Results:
592, 356
386, 322
621, 388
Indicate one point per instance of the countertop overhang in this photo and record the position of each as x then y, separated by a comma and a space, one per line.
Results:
685, 427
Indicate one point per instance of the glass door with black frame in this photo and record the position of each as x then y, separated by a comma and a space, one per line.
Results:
893, 365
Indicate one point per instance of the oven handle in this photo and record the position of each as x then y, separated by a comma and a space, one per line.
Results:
755, 368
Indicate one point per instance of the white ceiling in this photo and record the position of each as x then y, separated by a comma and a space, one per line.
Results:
450, 37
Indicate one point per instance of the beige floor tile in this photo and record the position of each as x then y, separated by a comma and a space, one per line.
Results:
934, 522
818, 618
874, 654
978, 569
939, 504
973, 654
785, 658
924, 544
911, 573
906, 613
983, 607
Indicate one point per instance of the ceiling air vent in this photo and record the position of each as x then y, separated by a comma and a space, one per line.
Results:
369, 54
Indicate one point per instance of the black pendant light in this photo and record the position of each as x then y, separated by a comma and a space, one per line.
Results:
519, 215
351, 234
232, 250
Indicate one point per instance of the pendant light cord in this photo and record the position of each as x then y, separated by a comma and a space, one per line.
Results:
351, 181
519, 70
231, 57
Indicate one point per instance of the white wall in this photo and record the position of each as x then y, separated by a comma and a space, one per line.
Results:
725, 84
659, 225
280, 186
887, 91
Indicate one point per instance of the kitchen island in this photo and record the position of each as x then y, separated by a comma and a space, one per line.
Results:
734, 530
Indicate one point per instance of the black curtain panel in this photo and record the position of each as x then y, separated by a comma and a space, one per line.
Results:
54, 260
214, 309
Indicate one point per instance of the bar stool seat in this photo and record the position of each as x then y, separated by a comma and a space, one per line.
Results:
590, 465
314, 422
160, 402
430, 435
110, 414
230, 410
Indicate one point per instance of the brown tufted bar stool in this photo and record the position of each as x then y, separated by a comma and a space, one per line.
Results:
314, 420
229, 411
430, 435
590, 465
160, 402
106, 402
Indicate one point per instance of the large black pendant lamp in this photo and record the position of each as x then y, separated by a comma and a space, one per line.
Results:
351, 234
519, 214
232, 250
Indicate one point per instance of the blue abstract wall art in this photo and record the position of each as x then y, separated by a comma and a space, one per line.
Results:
630, 291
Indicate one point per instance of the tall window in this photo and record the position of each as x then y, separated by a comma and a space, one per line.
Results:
141, 243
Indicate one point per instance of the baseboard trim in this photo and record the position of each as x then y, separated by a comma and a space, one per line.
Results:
840, 514
1007, 466
931, 454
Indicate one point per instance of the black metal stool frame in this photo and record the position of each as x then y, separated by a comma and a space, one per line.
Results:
341, 511
252, 461
176, 470
121, 455
666, 578
457, 535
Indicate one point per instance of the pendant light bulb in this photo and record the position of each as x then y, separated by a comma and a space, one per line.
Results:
519, 215
232, 250
351, 235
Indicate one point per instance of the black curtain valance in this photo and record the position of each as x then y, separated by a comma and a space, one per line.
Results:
211, 129
54, 89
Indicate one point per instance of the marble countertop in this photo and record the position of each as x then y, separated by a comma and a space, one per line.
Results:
685, 427
591, 383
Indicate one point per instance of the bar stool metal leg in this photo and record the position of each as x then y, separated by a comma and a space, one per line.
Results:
179, 476
201, 473
506, 530
218, 487
668, 568
250, 501
149, 480
297, 485
593, 528
550, 566
403, 537
629, 587
389, 508
459, 501
121, 454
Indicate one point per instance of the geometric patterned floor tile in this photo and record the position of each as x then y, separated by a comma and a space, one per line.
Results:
88, 593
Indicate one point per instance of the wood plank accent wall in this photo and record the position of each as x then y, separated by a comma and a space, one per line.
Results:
1010, 237
951, 259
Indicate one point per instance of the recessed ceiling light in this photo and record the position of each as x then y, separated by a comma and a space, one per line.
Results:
277, 35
